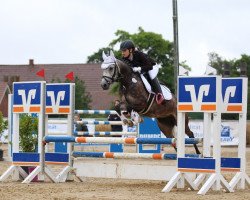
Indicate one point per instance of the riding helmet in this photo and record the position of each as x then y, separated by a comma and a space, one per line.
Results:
127, 44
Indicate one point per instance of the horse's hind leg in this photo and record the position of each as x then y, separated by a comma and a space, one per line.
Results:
166, 125
190, 134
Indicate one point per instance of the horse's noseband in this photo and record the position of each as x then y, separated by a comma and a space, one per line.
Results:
112, 78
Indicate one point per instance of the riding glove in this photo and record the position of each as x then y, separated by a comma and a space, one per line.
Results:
137, 69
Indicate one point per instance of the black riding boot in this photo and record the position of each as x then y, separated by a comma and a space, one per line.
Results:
157, 89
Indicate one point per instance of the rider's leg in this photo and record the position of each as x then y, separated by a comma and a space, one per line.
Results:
157, 89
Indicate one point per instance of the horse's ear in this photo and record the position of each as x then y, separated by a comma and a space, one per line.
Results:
104, 56
112, 54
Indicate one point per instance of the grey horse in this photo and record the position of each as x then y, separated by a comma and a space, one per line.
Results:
139, 99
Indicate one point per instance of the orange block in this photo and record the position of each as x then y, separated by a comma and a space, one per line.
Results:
157, 156
185, 107
130, 140
18, 109
234, 108
196, 170
230, 169
56, 163
35, 109
82, 139
25, 163
49, 110
109, 155
208, 107
64, 110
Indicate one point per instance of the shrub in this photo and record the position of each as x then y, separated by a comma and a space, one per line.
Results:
28, 133
3, 125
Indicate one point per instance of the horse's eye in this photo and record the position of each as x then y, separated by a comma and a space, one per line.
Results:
111, 68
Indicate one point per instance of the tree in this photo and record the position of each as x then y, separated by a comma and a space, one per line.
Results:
82, 97
245, 59
3, 126
219, 63
216, 62
153, 44
28, 133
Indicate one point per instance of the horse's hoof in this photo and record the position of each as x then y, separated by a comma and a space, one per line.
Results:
130, 123
125, 121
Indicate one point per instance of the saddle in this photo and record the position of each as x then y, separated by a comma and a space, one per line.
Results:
165, 90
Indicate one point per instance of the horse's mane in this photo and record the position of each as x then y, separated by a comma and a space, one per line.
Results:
125, 62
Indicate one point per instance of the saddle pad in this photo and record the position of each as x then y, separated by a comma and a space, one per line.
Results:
165, 90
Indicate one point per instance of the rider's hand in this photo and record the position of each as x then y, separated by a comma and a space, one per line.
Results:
137, 69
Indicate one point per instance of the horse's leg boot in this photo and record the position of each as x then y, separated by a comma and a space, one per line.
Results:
157, 89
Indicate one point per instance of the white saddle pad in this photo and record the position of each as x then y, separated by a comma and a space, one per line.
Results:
165, 90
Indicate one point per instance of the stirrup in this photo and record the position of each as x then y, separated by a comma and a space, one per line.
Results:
159, 98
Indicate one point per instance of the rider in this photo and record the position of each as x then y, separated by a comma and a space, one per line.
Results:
141, 63
116, 117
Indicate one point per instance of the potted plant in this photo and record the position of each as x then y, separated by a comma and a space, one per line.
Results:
28, 133
3, 126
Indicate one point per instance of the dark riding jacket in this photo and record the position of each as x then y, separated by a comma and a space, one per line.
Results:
81, 127
142, 60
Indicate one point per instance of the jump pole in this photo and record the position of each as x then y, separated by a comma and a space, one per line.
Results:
105, 140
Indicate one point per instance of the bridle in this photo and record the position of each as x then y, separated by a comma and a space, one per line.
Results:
113, 78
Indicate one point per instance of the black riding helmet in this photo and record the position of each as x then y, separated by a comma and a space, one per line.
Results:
127, 44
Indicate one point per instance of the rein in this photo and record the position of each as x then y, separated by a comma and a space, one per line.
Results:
113, 78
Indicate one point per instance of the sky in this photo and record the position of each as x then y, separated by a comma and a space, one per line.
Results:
68, 31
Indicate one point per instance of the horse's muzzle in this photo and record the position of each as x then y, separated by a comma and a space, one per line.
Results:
105, 84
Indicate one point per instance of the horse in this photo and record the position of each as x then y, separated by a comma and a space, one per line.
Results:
139, 99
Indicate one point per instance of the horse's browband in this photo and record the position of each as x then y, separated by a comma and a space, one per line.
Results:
150, 102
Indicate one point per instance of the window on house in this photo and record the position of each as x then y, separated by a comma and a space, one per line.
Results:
10, 79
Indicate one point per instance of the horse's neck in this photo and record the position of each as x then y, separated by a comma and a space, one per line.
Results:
133, 89
125, 73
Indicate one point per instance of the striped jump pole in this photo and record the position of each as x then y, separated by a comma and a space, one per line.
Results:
88, 122
155, 156
56, 121
104, 133
100, 122
103, 140
107, 112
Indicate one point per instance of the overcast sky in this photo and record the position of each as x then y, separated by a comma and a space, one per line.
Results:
67, 31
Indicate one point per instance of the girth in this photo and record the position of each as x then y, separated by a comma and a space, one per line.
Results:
150, 101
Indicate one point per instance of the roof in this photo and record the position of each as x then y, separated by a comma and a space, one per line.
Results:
90, 73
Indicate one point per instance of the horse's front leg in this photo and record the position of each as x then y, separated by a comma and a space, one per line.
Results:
125, 120
190, 134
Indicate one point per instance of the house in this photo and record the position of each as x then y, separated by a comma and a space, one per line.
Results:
90, 73
4, 91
